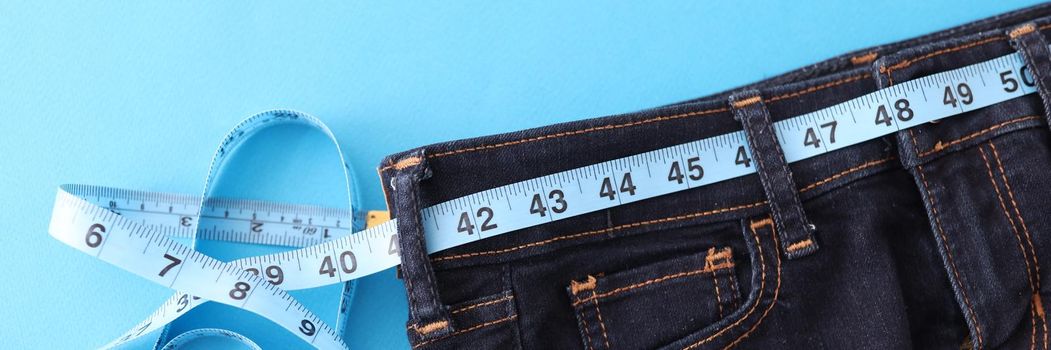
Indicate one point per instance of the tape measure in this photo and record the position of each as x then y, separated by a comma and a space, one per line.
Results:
84, 219
233, 220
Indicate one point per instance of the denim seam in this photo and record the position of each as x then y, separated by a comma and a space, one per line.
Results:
767, 222
587, 328
487, 303
657, 280
1037, 303
945, 244
735, 296
1018, 238
846, 172
938, 147
718, 296
726, 255
819, 87
601, 323
1008, 216
909, 62
1018, 214
471, 307
465, 330
777, 293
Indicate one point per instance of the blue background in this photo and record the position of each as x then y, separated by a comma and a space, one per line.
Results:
138, 94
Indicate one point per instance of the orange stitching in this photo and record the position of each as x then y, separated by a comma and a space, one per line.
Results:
948, 254
491, 302
1010, 193
635, 123
402, 164
1026, 29
1032, 335
718, 297
940, 146
777, 292
605, 230
587, 329
909, 62
724, 254
735, 300
713, 256
721, 266
846, 172
1028, 238
1003, 206
465, 330
601, 323
820, 87
745, 102
1018, 238
431, 327
800, 245
577, 287
473, 306
762, 282
761, 223
863, 59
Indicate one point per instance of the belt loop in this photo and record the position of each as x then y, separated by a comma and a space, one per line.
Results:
1027, 39
428, 316
795, 231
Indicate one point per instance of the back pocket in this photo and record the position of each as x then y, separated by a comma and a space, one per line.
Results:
655, 304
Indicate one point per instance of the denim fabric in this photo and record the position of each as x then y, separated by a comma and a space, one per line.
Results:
796, 231
930, 238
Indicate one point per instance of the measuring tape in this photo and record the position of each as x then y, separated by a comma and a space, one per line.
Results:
233, 220
258, 283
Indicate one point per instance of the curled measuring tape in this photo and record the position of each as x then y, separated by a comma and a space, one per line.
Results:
257, 283
149, 231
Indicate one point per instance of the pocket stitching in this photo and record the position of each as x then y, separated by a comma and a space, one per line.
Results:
469, 329
767, 222
718, 297
505, 299
684, 274
601, 323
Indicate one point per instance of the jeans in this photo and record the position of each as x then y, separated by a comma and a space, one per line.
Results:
932, 237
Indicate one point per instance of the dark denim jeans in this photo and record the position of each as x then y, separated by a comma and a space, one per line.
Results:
929, 238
